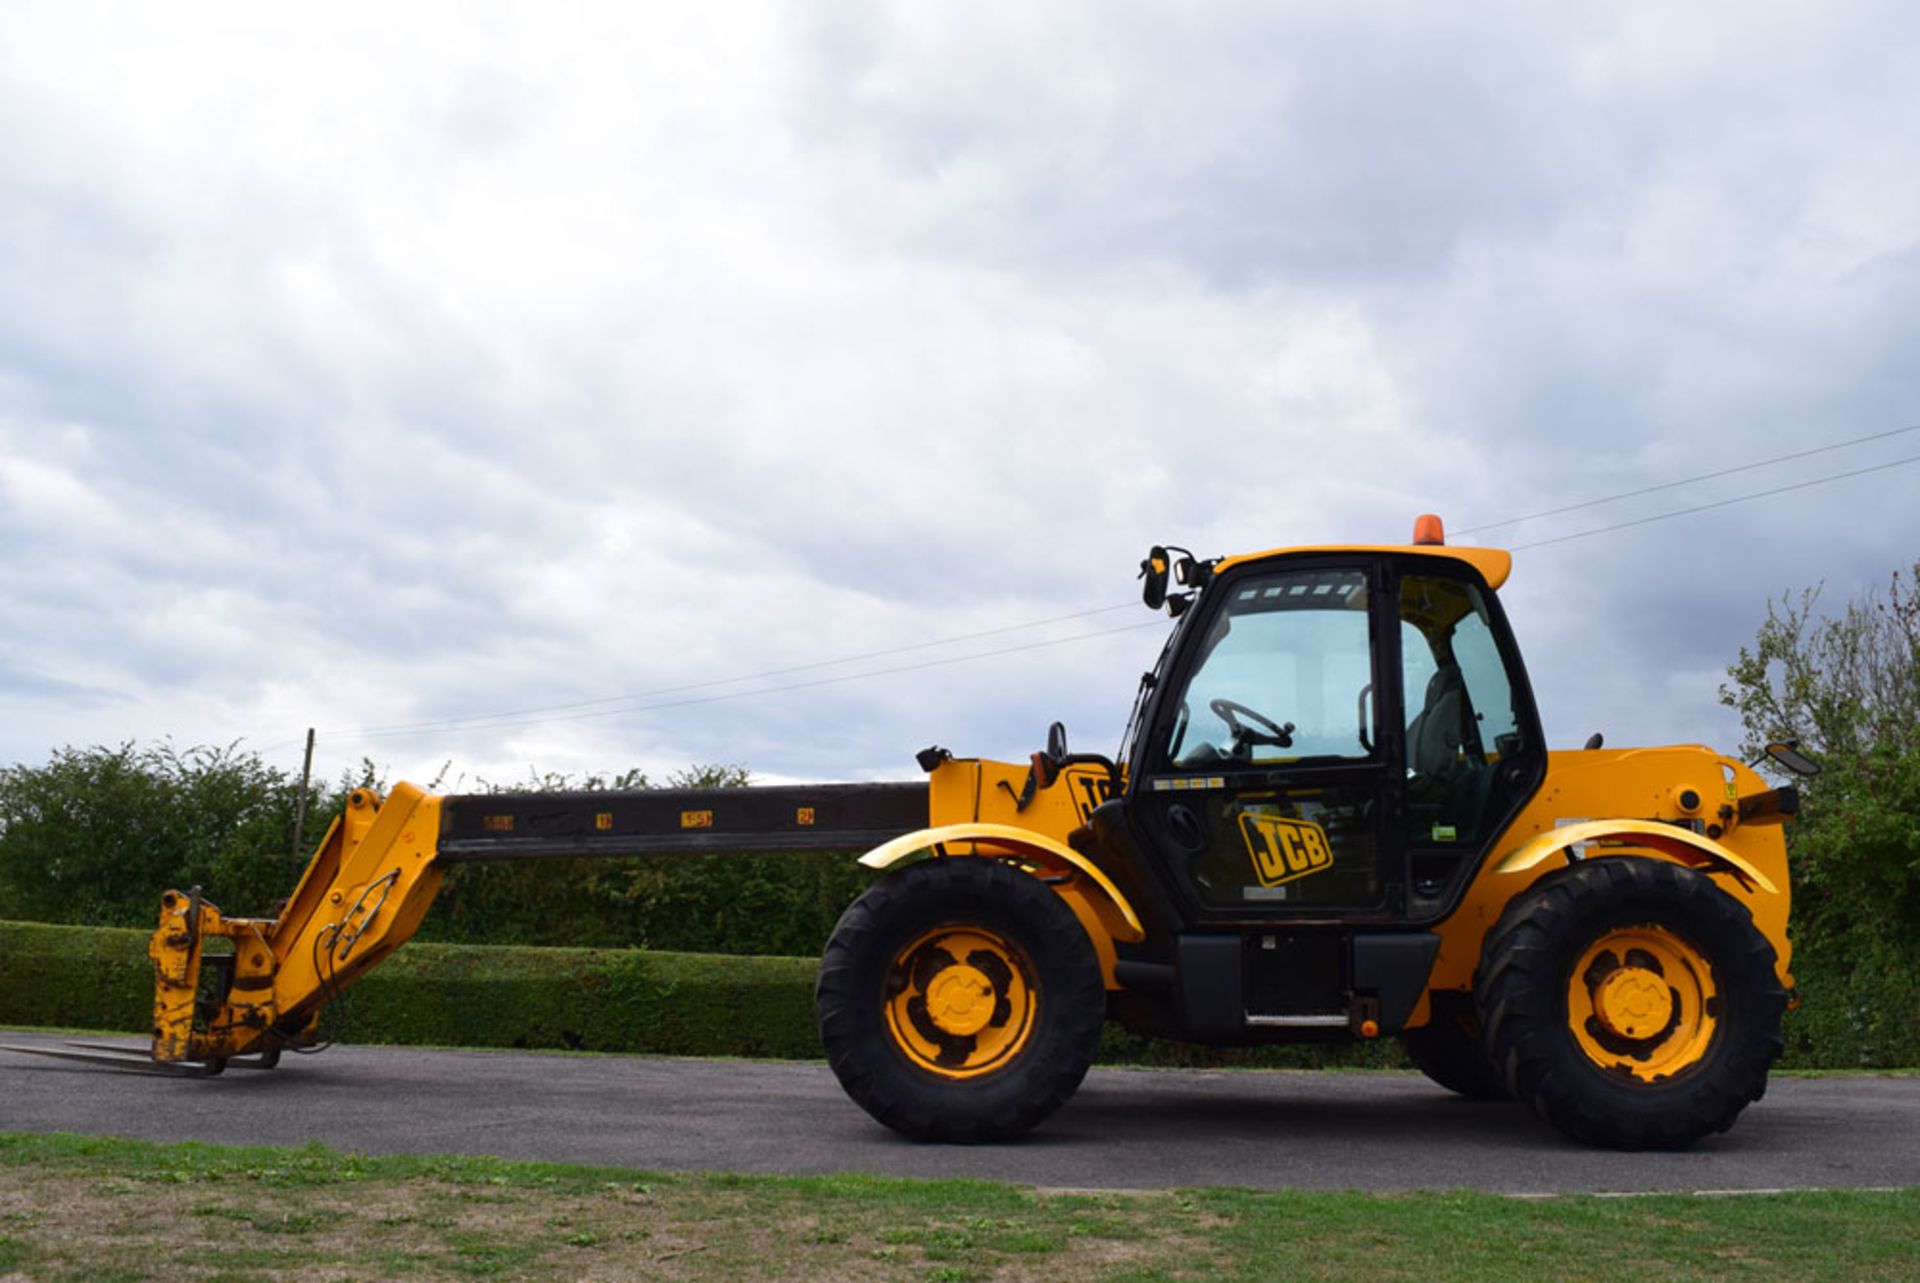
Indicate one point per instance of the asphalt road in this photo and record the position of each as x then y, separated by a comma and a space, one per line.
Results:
1125, 1129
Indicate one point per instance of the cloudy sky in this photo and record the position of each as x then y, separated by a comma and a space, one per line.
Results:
797, 384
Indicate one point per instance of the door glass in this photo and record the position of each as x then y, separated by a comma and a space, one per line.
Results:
1460, 705
1285, 675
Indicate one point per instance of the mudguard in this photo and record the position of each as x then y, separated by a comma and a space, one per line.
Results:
1116, 914
1681, 845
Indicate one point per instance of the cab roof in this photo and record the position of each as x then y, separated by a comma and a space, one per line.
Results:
1494, 564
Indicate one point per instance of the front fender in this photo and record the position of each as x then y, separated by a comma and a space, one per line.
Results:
1003, 840
1682, 845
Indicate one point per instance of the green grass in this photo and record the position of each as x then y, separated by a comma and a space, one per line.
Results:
99, 1209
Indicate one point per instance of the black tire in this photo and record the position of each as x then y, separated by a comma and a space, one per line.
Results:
1578, 1059
888, 958
1448, 1050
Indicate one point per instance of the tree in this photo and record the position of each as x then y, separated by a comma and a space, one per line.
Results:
96, 834
1844, 686
1847, 687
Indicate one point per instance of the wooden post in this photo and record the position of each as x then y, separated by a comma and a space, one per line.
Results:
300, 808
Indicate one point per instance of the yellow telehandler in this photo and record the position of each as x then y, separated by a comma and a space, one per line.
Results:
1334, 816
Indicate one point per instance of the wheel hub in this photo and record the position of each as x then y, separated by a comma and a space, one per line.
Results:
961, 1000
1643, 1002
1634, 1003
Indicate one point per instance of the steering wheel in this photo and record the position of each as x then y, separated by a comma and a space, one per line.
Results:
1256, 728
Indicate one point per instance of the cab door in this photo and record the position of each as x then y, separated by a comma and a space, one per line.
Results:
1267, 790
1474, 752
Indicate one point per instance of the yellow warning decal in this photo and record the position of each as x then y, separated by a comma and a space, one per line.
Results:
1284, 849
696, 819
803, 816
603, 821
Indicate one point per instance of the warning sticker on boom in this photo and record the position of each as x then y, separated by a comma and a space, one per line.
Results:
1284, 849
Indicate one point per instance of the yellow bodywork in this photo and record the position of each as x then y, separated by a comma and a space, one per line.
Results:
1095, 901
1642, 790
1683, 845
1494, 564
978, 790
974, 806
362, 897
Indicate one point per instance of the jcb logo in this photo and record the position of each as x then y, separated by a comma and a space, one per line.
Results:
1283, 849
1089, 791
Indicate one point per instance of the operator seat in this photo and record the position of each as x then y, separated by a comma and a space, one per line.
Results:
1437, 731
1455, 788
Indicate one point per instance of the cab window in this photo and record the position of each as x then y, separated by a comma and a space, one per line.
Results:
1285, 674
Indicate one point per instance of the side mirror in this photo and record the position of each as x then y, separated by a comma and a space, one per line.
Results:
1046, 764
1788, 757
1154, 571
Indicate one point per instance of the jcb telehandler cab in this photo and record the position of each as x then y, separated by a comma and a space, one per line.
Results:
1335, 817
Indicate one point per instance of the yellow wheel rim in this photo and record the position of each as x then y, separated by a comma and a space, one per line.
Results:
1641, 1002
959, 1001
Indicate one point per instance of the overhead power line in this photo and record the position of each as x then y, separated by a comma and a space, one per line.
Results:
491, 719
1687, 481
1722, 503
772, 690
615, 705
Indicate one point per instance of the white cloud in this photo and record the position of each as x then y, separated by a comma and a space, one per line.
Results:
361, 368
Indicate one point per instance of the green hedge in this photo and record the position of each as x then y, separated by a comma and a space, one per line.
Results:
1859, 1003
779, 905
619, 1000
81, 977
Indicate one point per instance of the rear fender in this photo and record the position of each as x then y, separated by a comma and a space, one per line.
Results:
1681, 846
1103, 911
